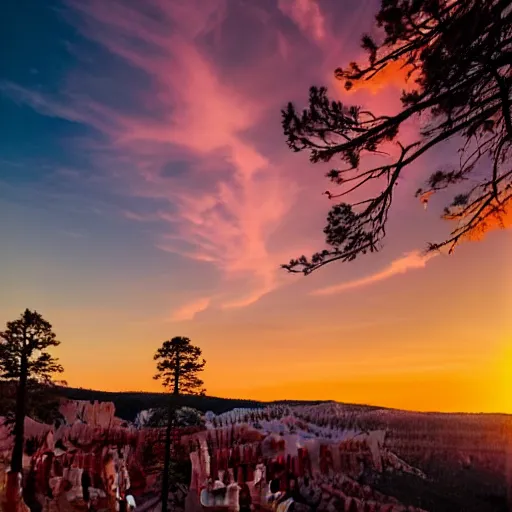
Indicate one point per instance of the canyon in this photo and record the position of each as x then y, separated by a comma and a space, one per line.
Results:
353, 457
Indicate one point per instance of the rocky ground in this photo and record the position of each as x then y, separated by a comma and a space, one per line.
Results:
436, 462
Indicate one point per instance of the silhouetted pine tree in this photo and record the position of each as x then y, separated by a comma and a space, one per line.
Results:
178, 365
24, 358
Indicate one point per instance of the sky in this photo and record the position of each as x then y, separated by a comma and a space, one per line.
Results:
146, 192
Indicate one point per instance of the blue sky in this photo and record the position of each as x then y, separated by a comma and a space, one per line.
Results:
147, 191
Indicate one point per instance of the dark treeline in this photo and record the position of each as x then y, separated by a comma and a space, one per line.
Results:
128, 404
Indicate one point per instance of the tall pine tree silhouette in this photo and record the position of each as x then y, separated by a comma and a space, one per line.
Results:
178, 365
24, 357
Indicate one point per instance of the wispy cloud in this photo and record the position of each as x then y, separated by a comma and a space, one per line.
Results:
189, 310
73, 234
410, 261
189, 139
307, 15
69, 107
223, 217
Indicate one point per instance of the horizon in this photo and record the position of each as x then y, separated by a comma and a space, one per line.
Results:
149, 193
283, 400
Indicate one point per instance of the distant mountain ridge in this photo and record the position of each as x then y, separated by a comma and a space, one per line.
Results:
129, 403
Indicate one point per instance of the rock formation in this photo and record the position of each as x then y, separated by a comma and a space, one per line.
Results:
334, 451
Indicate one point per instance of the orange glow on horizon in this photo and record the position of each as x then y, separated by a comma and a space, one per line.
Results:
443, 381
423, 346
441, 392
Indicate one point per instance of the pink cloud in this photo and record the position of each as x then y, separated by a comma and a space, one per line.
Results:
307, 15
410, 261
189, 310
228, 223
229, 208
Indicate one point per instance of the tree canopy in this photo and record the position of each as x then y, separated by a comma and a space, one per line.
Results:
457, 58
28, 339
178, 365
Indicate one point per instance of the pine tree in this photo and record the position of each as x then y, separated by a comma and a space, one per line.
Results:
178, 365
24, 358
457, 57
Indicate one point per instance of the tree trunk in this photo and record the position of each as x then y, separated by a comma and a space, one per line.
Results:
19, 425
12, 491
170, 421
167, 456
177, 371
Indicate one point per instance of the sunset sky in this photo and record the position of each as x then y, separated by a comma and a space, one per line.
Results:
146, 192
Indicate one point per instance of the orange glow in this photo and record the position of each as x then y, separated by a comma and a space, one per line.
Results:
496, 219
394, 74
452, 354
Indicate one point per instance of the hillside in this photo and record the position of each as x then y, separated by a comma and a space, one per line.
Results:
128, 404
